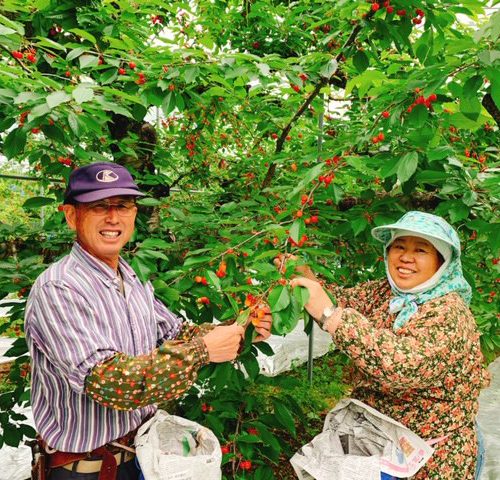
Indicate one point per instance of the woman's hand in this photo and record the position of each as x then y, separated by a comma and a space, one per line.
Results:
318, 299
262, 321
304, 270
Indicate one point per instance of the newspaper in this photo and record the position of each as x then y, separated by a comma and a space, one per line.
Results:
174, 448
359, 443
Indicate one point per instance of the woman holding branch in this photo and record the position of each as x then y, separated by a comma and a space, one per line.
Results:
413, 340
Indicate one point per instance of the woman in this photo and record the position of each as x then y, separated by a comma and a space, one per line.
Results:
413, 340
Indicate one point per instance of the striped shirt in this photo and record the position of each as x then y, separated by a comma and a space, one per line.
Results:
76, 317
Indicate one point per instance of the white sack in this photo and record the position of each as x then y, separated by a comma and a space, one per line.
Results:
174, 448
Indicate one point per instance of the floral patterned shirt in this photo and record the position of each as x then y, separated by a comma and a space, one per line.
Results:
426, 375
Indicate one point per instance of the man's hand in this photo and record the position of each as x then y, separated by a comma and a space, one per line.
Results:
304, 270
262, 320
223, 342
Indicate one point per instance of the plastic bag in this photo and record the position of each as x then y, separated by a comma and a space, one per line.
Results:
170, 447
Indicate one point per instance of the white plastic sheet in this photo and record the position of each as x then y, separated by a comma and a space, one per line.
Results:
292, 350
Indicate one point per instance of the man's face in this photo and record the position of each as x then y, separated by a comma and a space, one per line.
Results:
103, 227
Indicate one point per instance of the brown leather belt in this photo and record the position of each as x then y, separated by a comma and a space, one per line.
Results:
94, 466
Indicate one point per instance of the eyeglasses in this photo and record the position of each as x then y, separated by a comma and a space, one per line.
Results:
123, 209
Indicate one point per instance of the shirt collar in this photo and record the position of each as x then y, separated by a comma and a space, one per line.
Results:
103, 271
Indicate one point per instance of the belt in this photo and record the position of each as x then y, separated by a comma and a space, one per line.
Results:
94, 466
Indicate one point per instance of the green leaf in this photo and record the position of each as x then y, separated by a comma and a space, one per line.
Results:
82, 94
12, 435
57, 98
279, 298
440, 152
301, 295
360, 61
432, 177
418, 116
329, 69
284, 417
242, 318
214, 280
19, 347
75, 53
470, 107
168, 103
88, 61
407, 166
14, 142
358, 225
190, 261
297, 230
84, 34
472, 85
46, 42
37, 202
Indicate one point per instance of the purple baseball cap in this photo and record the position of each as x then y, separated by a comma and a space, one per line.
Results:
100, 180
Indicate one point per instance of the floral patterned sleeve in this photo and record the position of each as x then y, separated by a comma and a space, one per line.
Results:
418, 354
363, 297
125, 383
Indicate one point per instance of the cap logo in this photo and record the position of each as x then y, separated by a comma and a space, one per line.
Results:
106, 176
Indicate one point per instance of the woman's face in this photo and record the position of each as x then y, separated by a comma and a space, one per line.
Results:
412, 261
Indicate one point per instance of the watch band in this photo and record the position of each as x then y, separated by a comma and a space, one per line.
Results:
327, 313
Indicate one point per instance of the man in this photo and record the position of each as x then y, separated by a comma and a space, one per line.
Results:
104, 350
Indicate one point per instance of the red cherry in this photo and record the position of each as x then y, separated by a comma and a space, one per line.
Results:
432, 97
386, 114
35, 130
401, 12
417, 20
274, 136
375, 140
375, 7
121, 71
225, 449
303, 77
132, 65
419, 12
381, 136
256, 45
390, 9
17, 54
31, 57
246, 465
67, 74
288, 138
295, 87
314, 219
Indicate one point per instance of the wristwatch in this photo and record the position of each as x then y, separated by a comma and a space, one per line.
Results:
327, 313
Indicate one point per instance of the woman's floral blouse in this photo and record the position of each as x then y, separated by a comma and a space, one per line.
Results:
126, 383
426, 375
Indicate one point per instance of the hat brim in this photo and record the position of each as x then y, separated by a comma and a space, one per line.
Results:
383, 234
105, 193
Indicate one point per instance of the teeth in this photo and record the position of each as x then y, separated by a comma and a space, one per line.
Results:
109, 234
405, 270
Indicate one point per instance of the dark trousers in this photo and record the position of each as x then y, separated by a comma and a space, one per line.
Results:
126, 471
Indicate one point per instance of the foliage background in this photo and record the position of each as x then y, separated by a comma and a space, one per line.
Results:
257, 127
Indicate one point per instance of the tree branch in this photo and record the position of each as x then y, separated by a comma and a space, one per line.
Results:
492, 109
337, 79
